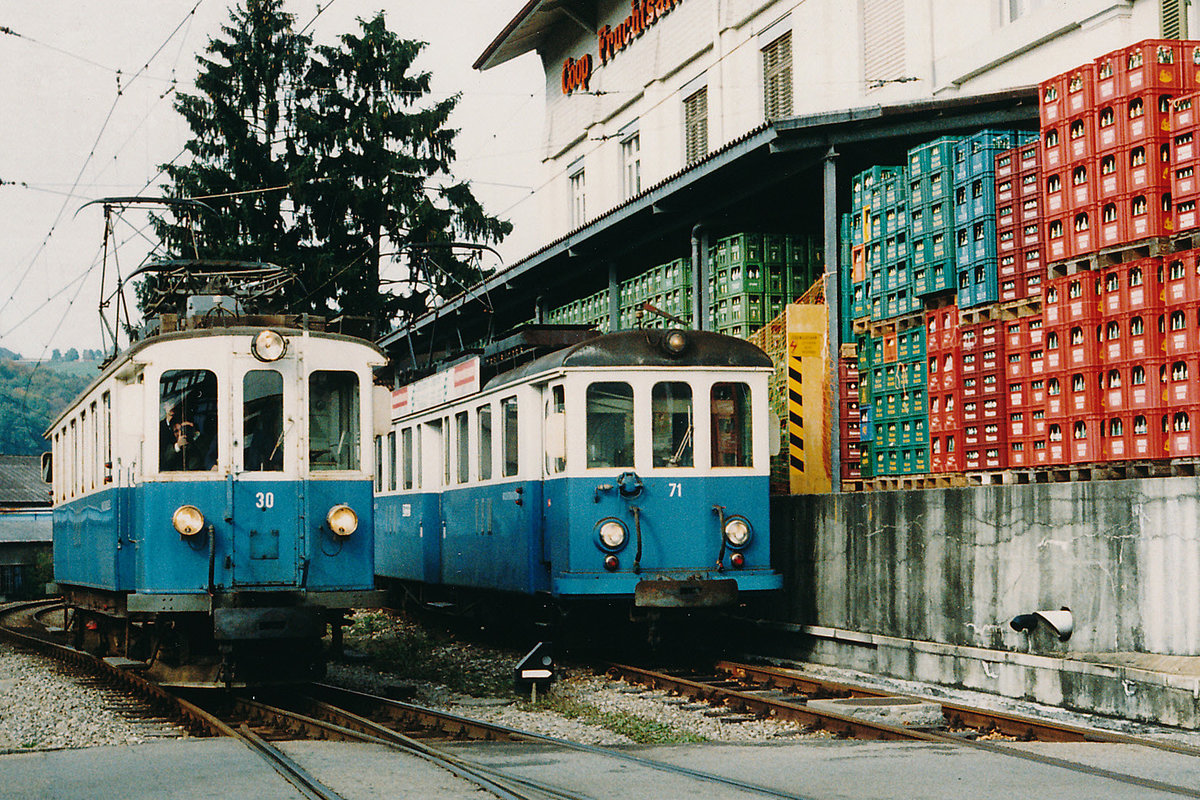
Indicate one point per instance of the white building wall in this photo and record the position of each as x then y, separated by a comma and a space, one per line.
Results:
951, 48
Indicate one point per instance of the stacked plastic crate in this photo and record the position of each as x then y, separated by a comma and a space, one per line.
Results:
1185, 157
898, 390
1025, 384
975, 254
1074, 376
1019, 251
867, 348
899, 298
931, 216
867, 254
1181, 347
1132, 358
944, 391
849, 418
983, 410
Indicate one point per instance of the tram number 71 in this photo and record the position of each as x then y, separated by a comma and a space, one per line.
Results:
676, 489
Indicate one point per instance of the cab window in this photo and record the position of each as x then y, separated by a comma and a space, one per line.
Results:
188, 425
671, 424
333, 414
610, 425
262, 421
730, 410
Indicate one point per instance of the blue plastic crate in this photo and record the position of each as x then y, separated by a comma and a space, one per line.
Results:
975, 156
975, 242
895, 220
978, 285
933, 277
931, 156
867, 186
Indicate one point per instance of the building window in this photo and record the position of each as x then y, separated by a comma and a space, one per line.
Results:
695, 125
631, 165
578, 198
1012, 10
1174, 17
777, 77
883, 41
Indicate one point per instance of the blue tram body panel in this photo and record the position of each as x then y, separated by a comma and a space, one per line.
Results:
493, 537
681, 533
408, 537
339, 562
92, 542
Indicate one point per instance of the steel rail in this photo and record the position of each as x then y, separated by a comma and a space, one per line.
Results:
1009, 724
352, 727
875, 730
286, 766
386, 705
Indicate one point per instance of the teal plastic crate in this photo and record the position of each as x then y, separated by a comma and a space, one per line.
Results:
931, 156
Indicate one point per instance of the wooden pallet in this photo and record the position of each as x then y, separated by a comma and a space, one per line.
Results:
892, 483
1111, 257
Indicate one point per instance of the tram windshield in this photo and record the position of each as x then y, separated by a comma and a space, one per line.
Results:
188, 423
730, 409
671, 424
610, 425
333, 413
262, 421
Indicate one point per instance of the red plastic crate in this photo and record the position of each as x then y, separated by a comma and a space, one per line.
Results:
1056, 396
1054, 194
1081, 88
1181, 278
1083, 344
1028, 158
1141, 284
1184, 147
1182, 437
1132, 336
1052, 99
1107, 82
950, 371
1149, 215
1182, 335
1148, 166
1151, 64
1057, 445
1182, 380
1081, 179
1137, 387
1082, 390
1008, 266
1132, 437
1029, 210
1029, 184
1006, 243
1033, 283
1086, 439
990, 333
1018, 425
1006, 163
1183, 183
1006, 190
1183, 112
1053, 145
1020, 453
1111, 177
1037, 421
1081, 230
1081, 137
1191, 66
1108, 131
1144, 117
1184, 213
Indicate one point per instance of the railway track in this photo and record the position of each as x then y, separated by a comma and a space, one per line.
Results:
784, 694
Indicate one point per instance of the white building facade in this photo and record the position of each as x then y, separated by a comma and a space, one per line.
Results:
637, 91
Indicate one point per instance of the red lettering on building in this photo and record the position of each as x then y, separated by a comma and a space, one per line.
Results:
642, 14
576, 73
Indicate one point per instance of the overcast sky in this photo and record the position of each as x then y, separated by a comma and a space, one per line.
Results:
67, 136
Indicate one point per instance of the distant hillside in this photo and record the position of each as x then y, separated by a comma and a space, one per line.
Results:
32, 395
9, 355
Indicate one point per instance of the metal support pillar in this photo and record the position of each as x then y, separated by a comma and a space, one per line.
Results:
614, 299
700, 299
832, 304
539, 311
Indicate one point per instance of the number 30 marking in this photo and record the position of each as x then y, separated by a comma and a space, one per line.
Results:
676, 489
264, 499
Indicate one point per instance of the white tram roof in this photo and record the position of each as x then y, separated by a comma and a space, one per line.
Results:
245, 329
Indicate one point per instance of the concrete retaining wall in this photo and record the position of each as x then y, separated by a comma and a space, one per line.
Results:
931, 575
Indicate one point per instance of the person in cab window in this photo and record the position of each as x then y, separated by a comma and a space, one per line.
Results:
183, 444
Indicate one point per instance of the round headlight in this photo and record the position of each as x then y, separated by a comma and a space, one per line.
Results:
613, 534
268, 346
737, 532
675, 342
188, 520
342, 520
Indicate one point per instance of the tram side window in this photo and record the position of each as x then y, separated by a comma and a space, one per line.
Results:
406, 458
730, 409
484, 415
671, 424
610, 425
391, 461
262, 421
333, 413
508, 415
555, 405
462, 438
379, 463
188, 429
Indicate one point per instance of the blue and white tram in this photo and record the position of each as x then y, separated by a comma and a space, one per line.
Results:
212, 504
631, 467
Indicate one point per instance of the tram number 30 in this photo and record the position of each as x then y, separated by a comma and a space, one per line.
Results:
676, 489
264, 499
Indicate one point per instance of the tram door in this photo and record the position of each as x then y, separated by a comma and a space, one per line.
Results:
266, 508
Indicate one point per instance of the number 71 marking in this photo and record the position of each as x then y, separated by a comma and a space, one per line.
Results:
676, 489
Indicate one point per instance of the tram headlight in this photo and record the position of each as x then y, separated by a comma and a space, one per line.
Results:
737, 532
188, 520
675, 342
342, 520
612, 534
268, 346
